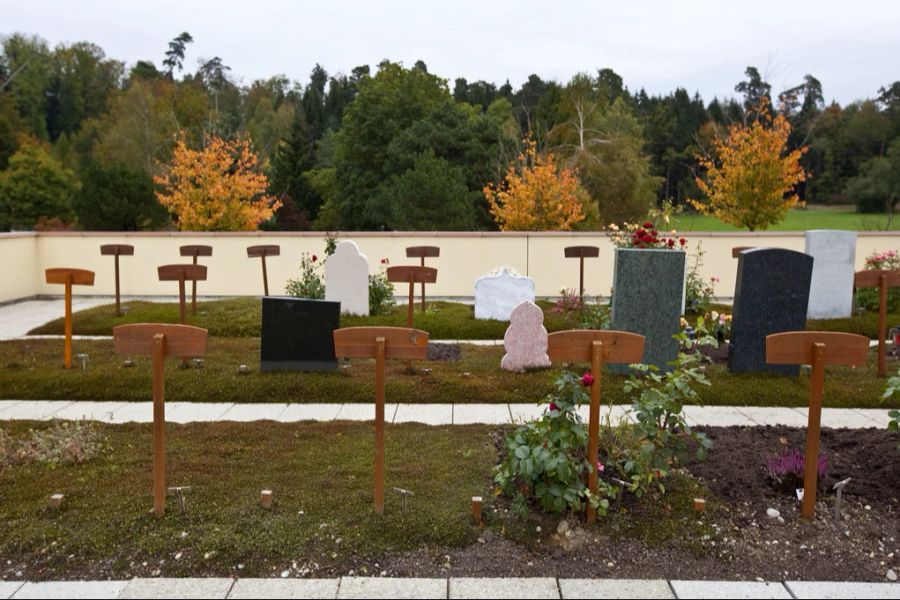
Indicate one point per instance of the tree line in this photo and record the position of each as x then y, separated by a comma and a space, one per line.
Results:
86, 140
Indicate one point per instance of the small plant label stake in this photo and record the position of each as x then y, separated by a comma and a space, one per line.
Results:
194, 251
423, 252
411, 275
69, 277
597, 348
581, 253
182, 273
159, 341
883, 280
117, 250
380, 343
262, 252
838, 490
817, 349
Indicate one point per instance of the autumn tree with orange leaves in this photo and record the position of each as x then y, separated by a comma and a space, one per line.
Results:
751, 178
216, 188
536, 195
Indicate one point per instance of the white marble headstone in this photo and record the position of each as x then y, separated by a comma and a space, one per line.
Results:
526, 339
834, 260
497, 295
347, 279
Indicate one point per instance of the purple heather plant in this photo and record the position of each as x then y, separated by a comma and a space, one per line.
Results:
786, 469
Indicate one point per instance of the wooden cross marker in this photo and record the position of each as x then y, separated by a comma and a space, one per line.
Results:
581, 253
160, 341
117, 250
69, 277
597, 348
411, 275
423, 252
182, 273
381, 343
195, 251
817, 349
262, 252
883, 280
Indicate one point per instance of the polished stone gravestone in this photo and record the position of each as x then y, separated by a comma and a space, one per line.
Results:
525, 340
497, 295
831, 288
298, 334
648, 287
347, 279
771, 296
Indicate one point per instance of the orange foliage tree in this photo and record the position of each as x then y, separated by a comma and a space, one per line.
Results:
536, 195
216, 188
751, 178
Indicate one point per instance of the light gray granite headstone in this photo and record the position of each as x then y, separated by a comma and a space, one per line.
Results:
497, 295
347, 279
525, 339
831, 289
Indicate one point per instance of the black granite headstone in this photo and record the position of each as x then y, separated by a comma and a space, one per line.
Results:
297, 334
771, 296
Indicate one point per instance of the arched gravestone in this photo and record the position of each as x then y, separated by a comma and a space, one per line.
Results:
771, 296
831, 289
496, 295
347, 279
525, 340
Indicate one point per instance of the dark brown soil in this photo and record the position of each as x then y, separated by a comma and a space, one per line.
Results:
444, 352
719, 354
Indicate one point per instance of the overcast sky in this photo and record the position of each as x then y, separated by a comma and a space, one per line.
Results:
852, 47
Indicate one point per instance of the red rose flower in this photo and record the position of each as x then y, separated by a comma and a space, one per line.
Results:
553, 406
314, 258
671, 243
682, 241
587, 380
648, 225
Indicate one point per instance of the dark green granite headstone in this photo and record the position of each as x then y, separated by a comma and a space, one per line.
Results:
647, 290
771, 296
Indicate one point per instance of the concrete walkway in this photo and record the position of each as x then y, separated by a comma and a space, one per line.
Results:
430, 414
454, 587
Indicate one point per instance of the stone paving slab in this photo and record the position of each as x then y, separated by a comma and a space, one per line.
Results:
309, 412
17, 319
430, 414
284, 588
189, 412
365, 412
526, 412
722, 416
390, 587
847, 417
839, 589
615, 588
90, 411
163, 587
765, 415
8, 588
491, 414
34, 410
502, 588
730, 589
4, 404
253, 412
70, 589
134, 412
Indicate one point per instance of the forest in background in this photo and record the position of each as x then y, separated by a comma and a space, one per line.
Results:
82, 137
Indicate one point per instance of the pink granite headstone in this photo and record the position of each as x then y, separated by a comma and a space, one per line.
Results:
526, 339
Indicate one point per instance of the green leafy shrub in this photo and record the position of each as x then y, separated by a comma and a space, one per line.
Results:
867, 298
893, 387
699, 292
381, 291
310, 284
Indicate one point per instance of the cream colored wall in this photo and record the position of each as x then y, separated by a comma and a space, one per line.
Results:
464, 258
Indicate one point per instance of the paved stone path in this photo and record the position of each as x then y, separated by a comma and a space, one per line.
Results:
454, 587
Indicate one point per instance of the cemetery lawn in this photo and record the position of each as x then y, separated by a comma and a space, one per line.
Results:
323, 524
32, 370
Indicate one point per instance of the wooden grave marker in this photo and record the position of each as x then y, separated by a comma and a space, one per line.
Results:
411, 275
423, 252
597, 348
159, 341
883, 280
182, 273
815, 348
69, 277
581, 253
195, 250
380, 343
736, 251
262, 252
117, 250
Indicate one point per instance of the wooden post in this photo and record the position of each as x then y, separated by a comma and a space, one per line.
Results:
421, 252
816, 349
883, 280
581, 252
160, 341
380, 343
736, 251
117, 250
411, 275
597, 348
195, 250
68, 278
476, 510
182, 274
262, 252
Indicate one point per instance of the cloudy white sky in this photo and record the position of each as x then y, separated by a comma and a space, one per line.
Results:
852, 47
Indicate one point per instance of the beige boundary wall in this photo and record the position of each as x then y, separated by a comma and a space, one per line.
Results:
464, 258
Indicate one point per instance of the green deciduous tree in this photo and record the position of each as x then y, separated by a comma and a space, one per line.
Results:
877, 187
35, 186
118, 198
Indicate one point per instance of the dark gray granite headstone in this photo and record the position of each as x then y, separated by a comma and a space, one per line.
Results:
297, 334
771, 296
646, 299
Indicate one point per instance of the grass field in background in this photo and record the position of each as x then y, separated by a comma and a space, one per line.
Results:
797, 220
